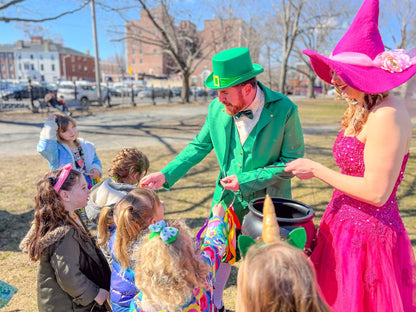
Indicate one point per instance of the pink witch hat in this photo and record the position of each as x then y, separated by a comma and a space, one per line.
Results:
360, 59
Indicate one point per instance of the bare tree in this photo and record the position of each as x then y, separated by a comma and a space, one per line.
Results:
13, 3
36, 29
320, 28
181, 42
286, 20
398, 17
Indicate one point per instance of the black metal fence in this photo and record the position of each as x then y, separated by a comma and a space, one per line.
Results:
31, 97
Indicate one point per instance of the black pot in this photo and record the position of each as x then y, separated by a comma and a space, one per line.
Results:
290, 215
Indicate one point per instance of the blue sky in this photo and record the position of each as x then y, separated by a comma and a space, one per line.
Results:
76, 29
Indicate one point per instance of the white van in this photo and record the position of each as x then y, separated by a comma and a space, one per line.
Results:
83, 91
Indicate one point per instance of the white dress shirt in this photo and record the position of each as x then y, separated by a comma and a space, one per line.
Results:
243, 123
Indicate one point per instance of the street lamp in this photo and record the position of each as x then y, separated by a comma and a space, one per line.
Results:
64, 63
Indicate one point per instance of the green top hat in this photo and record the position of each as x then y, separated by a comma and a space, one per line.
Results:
231, 67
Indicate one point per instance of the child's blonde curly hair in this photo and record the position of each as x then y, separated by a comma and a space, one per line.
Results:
167, 273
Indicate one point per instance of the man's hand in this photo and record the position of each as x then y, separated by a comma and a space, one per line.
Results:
230, 183
153, 181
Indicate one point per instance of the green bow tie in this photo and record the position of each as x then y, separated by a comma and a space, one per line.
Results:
248, 113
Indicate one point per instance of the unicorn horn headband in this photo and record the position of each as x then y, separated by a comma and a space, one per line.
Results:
270, 231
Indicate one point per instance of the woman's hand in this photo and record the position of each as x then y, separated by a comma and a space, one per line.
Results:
303, 168
218, 211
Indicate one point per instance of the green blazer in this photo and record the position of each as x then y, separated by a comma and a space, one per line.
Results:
276, 140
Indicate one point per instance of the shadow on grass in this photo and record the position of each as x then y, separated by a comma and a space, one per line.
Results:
13, 228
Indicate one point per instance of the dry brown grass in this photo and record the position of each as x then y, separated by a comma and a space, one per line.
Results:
189, 199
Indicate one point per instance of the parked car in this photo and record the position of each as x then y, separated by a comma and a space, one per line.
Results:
176, 91
23, 92
83, 91
331, 91
158, 92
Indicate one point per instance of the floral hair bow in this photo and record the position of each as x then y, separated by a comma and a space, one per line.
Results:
168, 234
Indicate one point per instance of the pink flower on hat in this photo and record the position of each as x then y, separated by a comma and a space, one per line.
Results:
395, 61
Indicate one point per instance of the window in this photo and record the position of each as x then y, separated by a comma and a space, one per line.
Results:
32, 66
26, 66
41, 67
41, 57
85, 68
10, 56
141, 61
20, 66
140, 51
72, 59
134, 62
53, 67
155, 51
31, 56
2, 66
133, 51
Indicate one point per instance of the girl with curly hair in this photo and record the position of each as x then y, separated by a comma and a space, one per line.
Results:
171, 273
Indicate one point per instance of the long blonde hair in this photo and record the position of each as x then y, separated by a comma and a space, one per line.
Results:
132, 214
356, 114
167, 273
277, 277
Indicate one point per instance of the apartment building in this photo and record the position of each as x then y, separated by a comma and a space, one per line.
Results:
145, 58
44, 60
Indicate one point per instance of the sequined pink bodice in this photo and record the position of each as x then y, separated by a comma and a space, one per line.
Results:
349, 156
363, 259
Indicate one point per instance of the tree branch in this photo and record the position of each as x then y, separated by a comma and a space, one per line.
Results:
19, 19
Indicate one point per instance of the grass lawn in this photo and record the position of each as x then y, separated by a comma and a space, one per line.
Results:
190, 198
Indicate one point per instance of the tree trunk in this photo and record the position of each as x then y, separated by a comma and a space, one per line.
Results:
282, 77
185, 87
311, 89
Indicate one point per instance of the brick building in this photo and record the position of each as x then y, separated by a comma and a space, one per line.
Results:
44, 60
7, 64
146, 59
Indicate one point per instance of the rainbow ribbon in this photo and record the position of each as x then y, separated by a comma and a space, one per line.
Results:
232, 222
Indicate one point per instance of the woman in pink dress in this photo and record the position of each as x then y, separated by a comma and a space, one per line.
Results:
364, 259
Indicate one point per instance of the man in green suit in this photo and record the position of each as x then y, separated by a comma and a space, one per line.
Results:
254, 132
